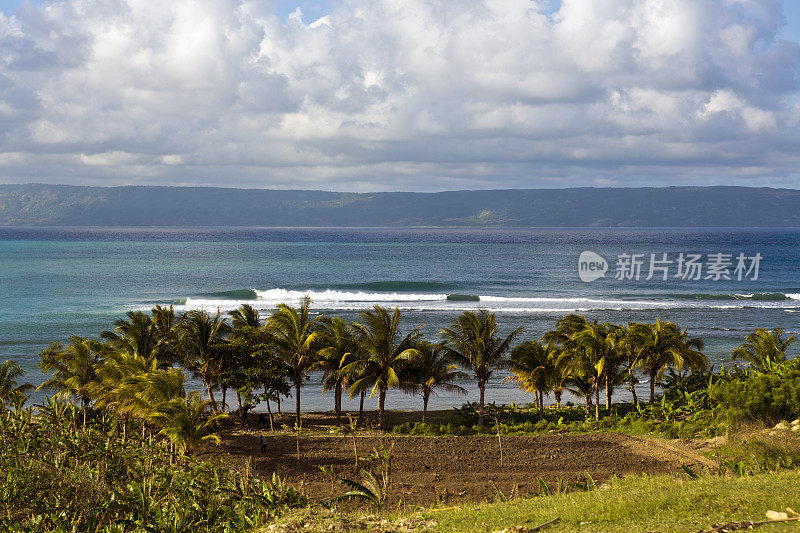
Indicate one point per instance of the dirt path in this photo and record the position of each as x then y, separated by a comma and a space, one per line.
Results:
669, 451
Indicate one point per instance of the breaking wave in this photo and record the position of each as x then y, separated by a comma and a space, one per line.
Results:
336, 299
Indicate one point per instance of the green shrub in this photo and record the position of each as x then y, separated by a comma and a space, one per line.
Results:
58, 475
757, 396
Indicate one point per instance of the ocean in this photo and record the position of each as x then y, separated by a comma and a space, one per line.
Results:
720, 283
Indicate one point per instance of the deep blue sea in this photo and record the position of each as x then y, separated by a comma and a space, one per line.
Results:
60, 281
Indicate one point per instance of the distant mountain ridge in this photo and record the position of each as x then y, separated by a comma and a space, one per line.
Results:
67, 205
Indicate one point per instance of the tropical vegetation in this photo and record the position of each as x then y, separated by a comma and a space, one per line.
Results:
122, 421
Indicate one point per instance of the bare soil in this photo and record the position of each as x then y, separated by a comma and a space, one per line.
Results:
450, 469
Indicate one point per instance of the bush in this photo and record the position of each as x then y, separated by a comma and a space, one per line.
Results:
58, 475
756, 396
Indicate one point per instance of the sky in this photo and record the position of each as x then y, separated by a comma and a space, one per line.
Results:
416, 95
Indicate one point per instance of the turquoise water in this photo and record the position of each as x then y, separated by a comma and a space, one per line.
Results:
56, 282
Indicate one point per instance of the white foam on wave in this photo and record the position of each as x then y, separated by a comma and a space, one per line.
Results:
793, 296
282, 295
578, 301
331, 299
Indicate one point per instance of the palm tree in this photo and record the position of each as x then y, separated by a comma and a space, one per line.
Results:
236, 356
73, 368
337, 349
132, 385
472, 340
614, 367
532, 368
154, 389
145, 336
293, 334
764, 349
112, 389
10, 373
581, 387
383, 354
164, 323
630, 360
134, 335
432, 368
588, 353
201, 336
663, 345
565, 328
245, 316
187, 422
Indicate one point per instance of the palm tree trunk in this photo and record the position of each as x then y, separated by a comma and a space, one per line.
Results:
297, 383
597, 403
238, 401
381, 402
224, 395
278, 400
210, 394
269, 412
609, 392
541, 405
652, 387
337, 402
557, 393
361, 409
425, 397
480, 404
633, 392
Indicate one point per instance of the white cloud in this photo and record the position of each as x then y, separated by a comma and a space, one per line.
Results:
399, 94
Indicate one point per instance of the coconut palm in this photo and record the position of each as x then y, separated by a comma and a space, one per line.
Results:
581, 387
73, 368
383, 354
135, 386
558, 378
144, 335
245, 316
164, 323
614, 367
533, 366
663, 345
235, 357
473, 342
153, 389
431, 369
134, 334
10, 374
112, 390
293, 334
188, 422
588, 353
201, 337
630, 360
565, 328
337, 349
764, 349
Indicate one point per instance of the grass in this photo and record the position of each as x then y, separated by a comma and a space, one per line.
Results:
639, 503
756, 452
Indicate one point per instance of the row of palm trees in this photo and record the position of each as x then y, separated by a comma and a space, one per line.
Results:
586, 358
135, 369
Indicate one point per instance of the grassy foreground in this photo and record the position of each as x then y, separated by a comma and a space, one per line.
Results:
636, 503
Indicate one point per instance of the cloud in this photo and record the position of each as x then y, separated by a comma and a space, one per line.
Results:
399, 94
